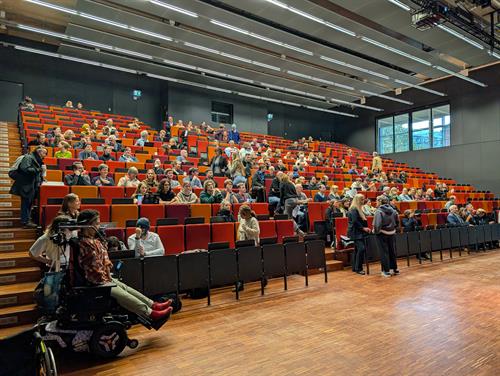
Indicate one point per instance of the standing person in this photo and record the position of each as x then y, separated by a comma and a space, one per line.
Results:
218, 164
27, 180
384, 226
289, 200
376, 163
144, 242
258, 184
249, 226
234, 135
357, 231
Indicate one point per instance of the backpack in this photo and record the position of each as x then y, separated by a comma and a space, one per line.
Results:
14, 170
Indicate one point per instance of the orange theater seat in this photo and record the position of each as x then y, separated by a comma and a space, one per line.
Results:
223, 232
84, 191
197, 236
201, 210
284, 228
172, 238
54, 175
121, 212
52, 191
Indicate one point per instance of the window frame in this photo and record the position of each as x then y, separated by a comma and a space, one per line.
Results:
410, 127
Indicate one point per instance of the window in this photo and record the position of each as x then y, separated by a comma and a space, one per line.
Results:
222, 113
441, 126
386, 135
420, 127
418, 130
401, 133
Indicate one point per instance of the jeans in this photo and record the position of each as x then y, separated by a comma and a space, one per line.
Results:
273, 200
358, 257
26, 204
387, 252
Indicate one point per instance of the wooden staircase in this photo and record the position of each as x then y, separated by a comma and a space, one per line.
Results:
18, 273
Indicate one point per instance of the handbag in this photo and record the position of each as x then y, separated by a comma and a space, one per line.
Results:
47, 292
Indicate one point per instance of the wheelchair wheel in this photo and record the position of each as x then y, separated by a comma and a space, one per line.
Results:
108, 340
47, 366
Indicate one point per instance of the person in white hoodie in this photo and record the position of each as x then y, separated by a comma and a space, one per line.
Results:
144, 242
385, 224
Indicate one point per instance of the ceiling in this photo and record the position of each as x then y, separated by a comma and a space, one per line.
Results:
330, 55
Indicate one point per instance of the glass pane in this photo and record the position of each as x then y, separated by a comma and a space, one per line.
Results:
420, 129
441, 126
385, 136
401, 133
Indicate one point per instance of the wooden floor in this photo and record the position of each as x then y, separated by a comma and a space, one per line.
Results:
439, 319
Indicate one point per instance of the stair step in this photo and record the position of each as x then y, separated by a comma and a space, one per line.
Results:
329, 254
13, 330
16, 260
19, 275
10, 222
17, 233
9, 212
334, 265
15, 245
17, 294
17, 315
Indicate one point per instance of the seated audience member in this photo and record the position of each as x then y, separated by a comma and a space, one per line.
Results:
69, 104
274, 191
134, 125
127, 156
357, 185
186, 195
353, 170
367, 208
242, 196
165, 192
429, 195
151, 181
440, 191
249, 225
258, 184
87, 153
45, 251
451, 201
145, 243
454, 217
210, 194
78, 177
193, 178
376, 163
103, 179
157, 167
111, 141
419, 195
40, 139
68, 135
313, 184
481, 218
93, 259
228, 193
237, 170
109, 123
70, 206
394, 204
27, 104
170, 176
106, 155
177, 170
162, 136
300, 211
321, 195
143, 195
344, 206
84, 141
334, 193
143, 139
225, 212
115, 244
209, 175
130, 179
393, 194
404, 196
409, 222
403, 177
229, 150
331, 212
468, 213
172, 143
182, 157
64, 152
79, 106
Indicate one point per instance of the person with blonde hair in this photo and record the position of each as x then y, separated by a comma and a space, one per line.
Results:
357, 231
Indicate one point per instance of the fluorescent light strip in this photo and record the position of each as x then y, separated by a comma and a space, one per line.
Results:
419, 87
471, 80
396, 51
261, 37
182, 65
174, 8
331, 111
400, 4
312, 17
52, 6
460, 36
494, 54
386, 97
312, 78
355, 67
203, 48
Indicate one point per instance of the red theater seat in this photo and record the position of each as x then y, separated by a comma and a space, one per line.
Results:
260, 208
116, 231
340, 229
284, 228
180, 212
314, 212
268, 229
52, 191
223, 232
104, 211
49, 213
152, 212
197, 236
109, 193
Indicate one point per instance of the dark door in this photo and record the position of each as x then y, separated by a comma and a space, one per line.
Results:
12, 94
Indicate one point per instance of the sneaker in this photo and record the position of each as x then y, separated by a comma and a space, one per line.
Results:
385, 274
30, 225
301, 233
361, 272
396, 272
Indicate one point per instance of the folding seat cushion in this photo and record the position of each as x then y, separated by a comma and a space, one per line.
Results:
425, 219
197, 236
441, 218
84, 191
223, 232
152, 212
49, 212
109, 193
340, 229
260, 208
50, 161
267, 229
177, 211
52, 191
432, 217
104, 210
284, 228
121, 212
314, 212
201, 210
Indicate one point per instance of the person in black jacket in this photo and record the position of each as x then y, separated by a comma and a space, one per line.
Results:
218, 164
289, 200
258, 184
78, 177
274, 191
357, 231
409, 222
225, 212
27, 180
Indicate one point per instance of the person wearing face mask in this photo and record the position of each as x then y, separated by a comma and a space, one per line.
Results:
144, 242
94, 260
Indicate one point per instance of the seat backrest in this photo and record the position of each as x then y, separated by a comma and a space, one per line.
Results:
223, 267
223, 232
250, 263
153, 212
284, 228
413, 242
108, 193
172, 238
180, 211
197, 236
104, 211
314, 212
267, 229
193, 270
160, 275
273, 256
316, 257
121, 212
52, 191
445, 238
401, 244
260, 208
295, 257
425, 241
49, 213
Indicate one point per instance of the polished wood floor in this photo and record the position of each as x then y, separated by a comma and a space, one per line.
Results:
439, 319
